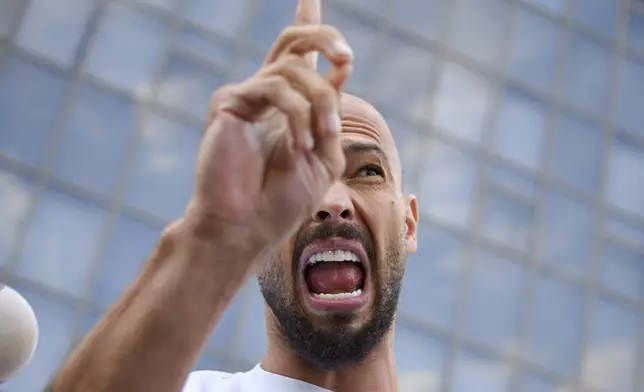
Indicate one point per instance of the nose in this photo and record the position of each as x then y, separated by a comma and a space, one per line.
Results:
337, 204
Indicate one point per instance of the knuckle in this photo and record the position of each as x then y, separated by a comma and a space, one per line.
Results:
322, 94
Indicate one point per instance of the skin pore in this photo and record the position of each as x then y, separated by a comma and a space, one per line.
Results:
341, 351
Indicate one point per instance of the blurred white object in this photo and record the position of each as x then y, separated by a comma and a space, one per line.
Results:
18, 332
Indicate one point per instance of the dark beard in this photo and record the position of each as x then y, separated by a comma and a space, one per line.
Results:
340, 345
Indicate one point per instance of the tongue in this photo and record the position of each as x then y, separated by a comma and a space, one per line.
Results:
335, 277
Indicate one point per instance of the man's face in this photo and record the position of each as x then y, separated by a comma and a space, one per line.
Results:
333, 288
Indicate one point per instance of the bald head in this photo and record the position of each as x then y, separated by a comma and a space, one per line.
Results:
361, 118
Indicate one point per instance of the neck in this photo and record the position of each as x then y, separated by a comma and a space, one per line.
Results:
376, 373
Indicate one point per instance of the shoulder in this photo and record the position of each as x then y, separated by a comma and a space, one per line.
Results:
207, 381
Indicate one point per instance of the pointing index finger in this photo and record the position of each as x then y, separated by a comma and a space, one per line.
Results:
309, 12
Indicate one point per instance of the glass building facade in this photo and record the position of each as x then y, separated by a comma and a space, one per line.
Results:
521, 128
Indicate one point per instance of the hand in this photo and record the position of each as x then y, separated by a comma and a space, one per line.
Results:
272, 146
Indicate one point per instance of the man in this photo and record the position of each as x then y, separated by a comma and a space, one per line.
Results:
301, 184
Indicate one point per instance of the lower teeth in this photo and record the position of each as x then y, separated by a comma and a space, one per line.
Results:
352, 294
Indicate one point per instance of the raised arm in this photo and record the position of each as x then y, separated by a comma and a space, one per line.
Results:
269, 154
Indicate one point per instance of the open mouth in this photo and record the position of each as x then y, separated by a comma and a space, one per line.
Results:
336, 275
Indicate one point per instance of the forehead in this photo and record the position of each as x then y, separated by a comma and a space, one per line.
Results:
361, 121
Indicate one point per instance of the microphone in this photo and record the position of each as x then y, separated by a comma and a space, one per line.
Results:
18, 332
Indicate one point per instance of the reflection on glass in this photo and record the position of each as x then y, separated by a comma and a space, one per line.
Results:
95, 139
128, 48
533, 52
609, 363
631, 94
576, 153
253, 345
362, 37
403, 78
449, 183
599, 15
566, 234
625, 185
494, 301
635, 37
622, 270
61, 243
432, 277
510, 179
507, 220
519, 127
55, 330
54, 28
586, 79
556, 321
162, 176
188, 86
461, 102
198, 44
223, 16
418, 360
478, 373
271, 17
477, 29
423, 17
30, 102
130, 245
15, 195
10, 13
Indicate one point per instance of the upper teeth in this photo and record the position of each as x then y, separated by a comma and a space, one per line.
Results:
333, 255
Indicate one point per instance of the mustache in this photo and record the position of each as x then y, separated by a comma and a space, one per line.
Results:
345, 230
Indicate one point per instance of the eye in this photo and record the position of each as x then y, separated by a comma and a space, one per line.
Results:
370, 171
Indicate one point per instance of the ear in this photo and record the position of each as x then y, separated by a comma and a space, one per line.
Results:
411, 223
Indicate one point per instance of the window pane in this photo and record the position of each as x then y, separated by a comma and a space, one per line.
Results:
461, 102
586, 80
166, 5
253, 330
625, 230
30, 102
599, 15
556, 322
636, 27
612, 353
15, 197
625, 184
199, 44
10, 15
362, 37
188, 86
95, 139
271, 17
128, 48
225, 337
54, 330
566, 239
558, 6
631, 95
432, 277
576, 154
54, 28
410, 143
162, 178
223, 16
418, 361
507, 220
519, 128
423, 17
61, 243
530, 383
130, 245
477, 373
207, 362
477, 30
403, 77
622, 270
494, 301
510, 179
449, 183
533, 52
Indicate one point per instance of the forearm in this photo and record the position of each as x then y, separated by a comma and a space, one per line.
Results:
152, 336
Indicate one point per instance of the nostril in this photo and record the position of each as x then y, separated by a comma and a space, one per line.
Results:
322, 215
345, 214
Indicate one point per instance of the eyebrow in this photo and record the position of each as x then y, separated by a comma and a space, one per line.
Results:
367, 148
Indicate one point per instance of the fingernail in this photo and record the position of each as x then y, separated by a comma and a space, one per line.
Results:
307, 139
341, 47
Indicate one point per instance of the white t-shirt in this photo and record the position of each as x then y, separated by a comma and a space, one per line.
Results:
255, 380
